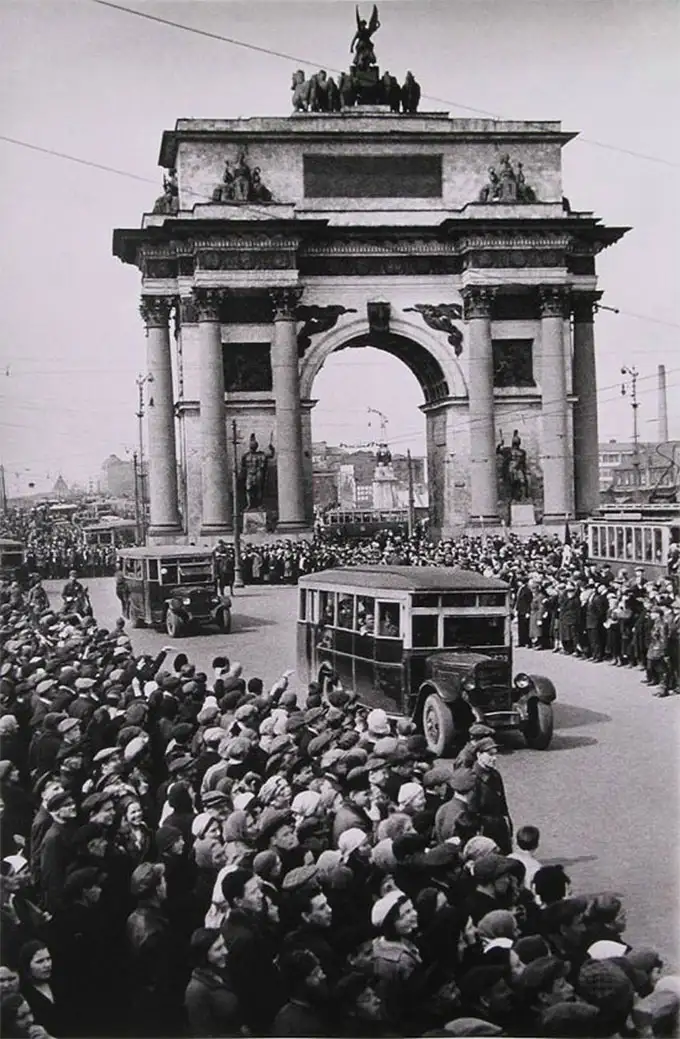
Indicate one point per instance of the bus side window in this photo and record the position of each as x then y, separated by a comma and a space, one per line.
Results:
425, 630
327, 608
658, 545
345, 611
648, 544
603, 543
388, 620
153, 569
365, 614
302, 608
638, 543
593, 541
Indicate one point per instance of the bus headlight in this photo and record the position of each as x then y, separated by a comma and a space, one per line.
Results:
470, 684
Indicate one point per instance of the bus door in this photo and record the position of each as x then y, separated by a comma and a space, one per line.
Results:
364, 647
343, 641
389, 654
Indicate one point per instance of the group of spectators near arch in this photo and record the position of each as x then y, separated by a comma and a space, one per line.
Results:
195, 854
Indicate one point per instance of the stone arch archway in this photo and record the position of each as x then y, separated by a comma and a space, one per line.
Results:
431, 361
429, 358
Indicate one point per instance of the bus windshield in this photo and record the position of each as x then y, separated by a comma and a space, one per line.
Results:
456, 631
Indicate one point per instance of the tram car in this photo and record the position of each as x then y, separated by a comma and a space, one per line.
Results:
364, 523
628, 536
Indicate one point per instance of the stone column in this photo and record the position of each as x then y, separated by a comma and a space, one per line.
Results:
160, 420
557, 476
215, 477
286, 384
586, 438
483, 489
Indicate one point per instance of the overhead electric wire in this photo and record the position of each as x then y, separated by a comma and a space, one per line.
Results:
307, 61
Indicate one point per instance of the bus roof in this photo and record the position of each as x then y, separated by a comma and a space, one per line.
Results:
10, 543
406, 578
166, 551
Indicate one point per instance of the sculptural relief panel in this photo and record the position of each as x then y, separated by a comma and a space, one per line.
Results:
465, 166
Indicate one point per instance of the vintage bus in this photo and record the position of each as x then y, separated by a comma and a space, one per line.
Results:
175, 587
12, 560
628, 536
432, 643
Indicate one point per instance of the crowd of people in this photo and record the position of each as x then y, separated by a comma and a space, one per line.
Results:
192, 854
561, 602
55, 546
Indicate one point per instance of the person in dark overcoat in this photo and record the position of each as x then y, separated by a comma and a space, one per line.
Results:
523, 611
488, 800
211, 1005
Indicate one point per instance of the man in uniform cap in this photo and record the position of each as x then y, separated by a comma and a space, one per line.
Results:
462, 782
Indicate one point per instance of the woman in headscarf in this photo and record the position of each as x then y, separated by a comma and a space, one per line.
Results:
35, 972
237, 835
134, 836
211, 1004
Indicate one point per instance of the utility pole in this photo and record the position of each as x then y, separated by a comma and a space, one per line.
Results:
140, 380
634, 375
411, 513
236, 512
139, 536
3, 492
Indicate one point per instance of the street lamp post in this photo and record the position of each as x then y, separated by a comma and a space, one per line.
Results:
236, 512
634, 375
141, 380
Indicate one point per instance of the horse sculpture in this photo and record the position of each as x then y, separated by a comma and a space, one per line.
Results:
302, 91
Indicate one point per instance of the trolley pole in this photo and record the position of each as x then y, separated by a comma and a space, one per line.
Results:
411, 513
236, 512
634, 403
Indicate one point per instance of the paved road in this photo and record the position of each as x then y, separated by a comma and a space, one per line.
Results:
604, 796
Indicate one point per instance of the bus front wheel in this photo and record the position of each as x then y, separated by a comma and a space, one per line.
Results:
437, 725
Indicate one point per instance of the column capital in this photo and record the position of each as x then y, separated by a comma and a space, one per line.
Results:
583, 303
477, 301
155, 310
554, 300
207, 304
284, 302
188, 310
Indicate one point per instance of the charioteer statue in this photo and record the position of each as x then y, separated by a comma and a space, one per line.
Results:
362, 41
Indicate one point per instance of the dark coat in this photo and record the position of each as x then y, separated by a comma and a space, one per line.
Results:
48, 1013
489, 802
252, 951
300, 1019
55, 858
211, 1005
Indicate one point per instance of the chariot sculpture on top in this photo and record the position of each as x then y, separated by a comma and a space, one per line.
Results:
361, 85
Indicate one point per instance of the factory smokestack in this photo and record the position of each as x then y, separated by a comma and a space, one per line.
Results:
663, 407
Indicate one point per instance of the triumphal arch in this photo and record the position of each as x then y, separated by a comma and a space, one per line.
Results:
362, 220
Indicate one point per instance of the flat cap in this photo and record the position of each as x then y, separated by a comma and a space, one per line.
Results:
301, 877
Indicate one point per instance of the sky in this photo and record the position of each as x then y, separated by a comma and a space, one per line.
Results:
101, 85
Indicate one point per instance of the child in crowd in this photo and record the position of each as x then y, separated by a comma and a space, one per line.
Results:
527, 839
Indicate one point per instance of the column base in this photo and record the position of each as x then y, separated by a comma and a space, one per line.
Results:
212, 530
556, 518
293, 527
161, 534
